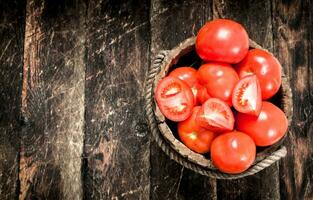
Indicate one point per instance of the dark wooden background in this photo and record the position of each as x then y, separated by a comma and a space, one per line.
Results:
72, 123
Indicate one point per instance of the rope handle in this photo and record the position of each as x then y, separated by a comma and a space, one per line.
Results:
174, 155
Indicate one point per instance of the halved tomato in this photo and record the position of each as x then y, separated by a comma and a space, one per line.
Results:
215, 115
233, 152
188, 75
247, 96
202, 94
174, 98
193, 136
219, 80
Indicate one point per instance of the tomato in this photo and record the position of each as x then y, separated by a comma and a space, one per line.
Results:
174, 98
233, 152
193, 136
202, 94
219, 80
266, 67
215, 115
266, 129
222, 40
247, 95
188, 75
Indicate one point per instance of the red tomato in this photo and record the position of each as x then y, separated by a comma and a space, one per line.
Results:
266, 67
266, 129
193, 136
174, 98
188, 75
219, 79
247, 96
233, 152
215, 115
202, 95
222, 40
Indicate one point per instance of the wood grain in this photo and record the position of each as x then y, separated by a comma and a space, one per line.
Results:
171, 23
116, 151
53, 100
11, 66
292, 30
255, 16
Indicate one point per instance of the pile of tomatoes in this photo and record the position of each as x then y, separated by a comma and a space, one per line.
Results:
223, 106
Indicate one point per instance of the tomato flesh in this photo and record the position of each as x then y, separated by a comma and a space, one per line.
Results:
219, 80
215, 115
267, 128
247, 96
233, 152
174, 98
193, 136
222, 40
266, 67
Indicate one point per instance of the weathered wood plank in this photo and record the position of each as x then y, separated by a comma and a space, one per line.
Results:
11, 67
255, 16
293, 46
171, 23
53, 100
116, 142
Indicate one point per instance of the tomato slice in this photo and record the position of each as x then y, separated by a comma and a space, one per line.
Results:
190, 77
202, 94
233, 152
174, 98
247, 96
193, 136
215, 115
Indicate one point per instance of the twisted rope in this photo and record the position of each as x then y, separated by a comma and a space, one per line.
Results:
155, 69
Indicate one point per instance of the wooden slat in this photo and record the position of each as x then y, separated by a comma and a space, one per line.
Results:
11, 66
117, 142
53, 100
171, 23
293, 46
255, 16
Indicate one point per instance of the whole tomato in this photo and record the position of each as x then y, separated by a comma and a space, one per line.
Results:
193, 136
174, 98
219, 80
233, 152
222, 40
266, 67
265, 129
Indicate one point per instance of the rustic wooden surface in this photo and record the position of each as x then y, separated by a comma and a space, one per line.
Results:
71, 105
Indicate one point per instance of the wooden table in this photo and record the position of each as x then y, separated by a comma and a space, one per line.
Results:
72, 122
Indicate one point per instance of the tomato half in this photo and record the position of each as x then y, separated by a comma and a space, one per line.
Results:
219, 80
266, 129
222, 40
193, 136
266, 67
247, 96
174, 98
233, 152
188, 75
215, 115
202, 94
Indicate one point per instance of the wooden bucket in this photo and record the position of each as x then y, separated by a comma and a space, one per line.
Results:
165, 131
